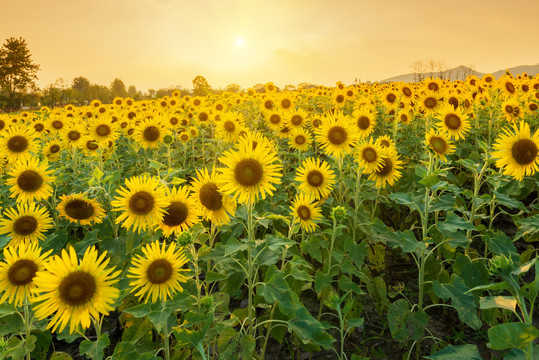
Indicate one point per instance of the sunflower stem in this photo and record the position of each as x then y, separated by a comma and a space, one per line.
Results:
213, 233
27, 330
250, 281
165, 332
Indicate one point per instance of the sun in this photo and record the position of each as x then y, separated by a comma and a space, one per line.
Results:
240, 42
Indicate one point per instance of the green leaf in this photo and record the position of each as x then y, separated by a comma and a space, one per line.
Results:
501, 244
460, 352
454, 223
7, 309
155, 165
233, 246
502, 302
95, 349
17, 348
214, 276
59, 355
473, 273
405, 325
11, 324
509, 202
445, 202
515, 335
43, 342
177, 181
504, 285
524, 268
527, 226
322, 281
461, 299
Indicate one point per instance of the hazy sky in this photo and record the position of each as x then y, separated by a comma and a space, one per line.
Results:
162, 43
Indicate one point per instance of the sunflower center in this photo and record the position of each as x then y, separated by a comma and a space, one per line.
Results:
92, 145
385, 143
173, 121
509, 109
151, 133
296, 120
103, 130
300, 140
219, 107
533, 106
268, 104
304, 212
369, 154
248, 172
54, 149
29, 181
2, 124
203, 116
340, 98
317, 123
438, 144
386, 169
57, 124
524, 151
391, 98
286, 103
452, 121
229, 126
275, 119
38, 127
407, 92
79, 209
131, 115
210, 197
510, 87
430, 102
337, 135
22, 272
159, 271
315, 178
453, 101
25, 225
177, 214
17, 144
363, 122
141, 203
77, 288
73, 135
433, 86
184, 137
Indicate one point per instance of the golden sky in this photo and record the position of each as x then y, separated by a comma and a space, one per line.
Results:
162, 43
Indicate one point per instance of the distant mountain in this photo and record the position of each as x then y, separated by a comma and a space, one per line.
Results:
461, 72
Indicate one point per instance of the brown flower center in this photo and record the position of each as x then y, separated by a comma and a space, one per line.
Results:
25, 225
406, 91
430, 102
29, 181
17, 144
363, 122
210, 197
54, 149
79, 209
304, 213
340, 99
151, 133
510, 87
337, 135
39, 127
229, 126
524, 151
386, 168
438, 144
286, 103
452, 121
159, 271
391, 98
74, 135
275, 119
57, 124
176, 214
369, 155
92, 145
22, 272
296, 120
248, 172
141, 203
77, 288
103, 130
268, 104
315, 178
300, 140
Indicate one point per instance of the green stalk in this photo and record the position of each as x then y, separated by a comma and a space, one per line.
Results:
250, 281
27, 330
166, 333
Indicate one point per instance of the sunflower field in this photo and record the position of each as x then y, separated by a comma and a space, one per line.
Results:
373, 221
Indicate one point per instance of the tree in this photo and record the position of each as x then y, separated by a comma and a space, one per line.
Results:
17, 70
234, 88
117, 88
81, 88
131, 91
200, 86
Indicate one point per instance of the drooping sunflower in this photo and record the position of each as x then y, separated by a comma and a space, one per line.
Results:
300, 139
365, 121
306, 212
143, 202
150, 133
25, 223
30, 180
75, 292
80, 209
454, 121
18, 270
249, 173
19, 142
337, 134
389, 172
369, 156
158, 274
517, 151
440, 143
182, 213
215, 206
316, 178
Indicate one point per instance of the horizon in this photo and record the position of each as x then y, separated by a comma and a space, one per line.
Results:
158, 44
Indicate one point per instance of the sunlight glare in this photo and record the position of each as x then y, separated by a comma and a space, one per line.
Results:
240, 42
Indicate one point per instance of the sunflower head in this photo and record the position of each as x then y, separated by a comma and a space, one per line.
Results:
305, 212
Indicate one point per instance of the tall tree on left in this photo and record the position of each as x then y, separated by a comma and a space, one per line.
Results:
17, 70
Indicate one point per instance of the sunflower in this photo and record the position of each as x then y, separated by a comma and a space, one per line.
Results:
517, 152
72, 136
429, 102
336, 134
369, 156
249, 173
511, 109
57, 123
296, 118
90, 146
215, 206
454, 121
300, 139
79, 209
26, 223
256, 139
390, 98
184, 136
158, 273
230, 126
285, 103
365, 120
142, 202
305, 212
39, 125
103, 129
508, 85
389, 172
51, 150
18, 271
150, 133
30, 180
339, 98
18, 142
274, 119
440, 143
182, 213
316, 178
75, 291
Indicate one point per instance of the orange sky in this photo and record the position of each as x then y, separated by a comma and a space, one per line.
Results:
162, 43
